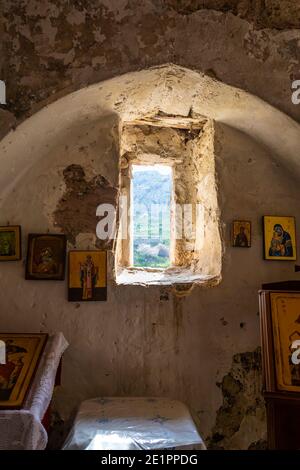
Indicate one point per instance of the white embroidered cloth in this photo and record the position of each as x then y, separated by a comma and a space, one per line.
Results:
22, 429
133, 423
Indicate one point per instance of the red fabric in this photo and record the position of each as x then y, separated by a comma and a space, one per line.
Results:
6, 370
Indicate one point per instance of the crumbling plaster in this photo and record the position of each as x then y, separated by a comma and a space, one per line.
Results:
53, 47
149, 341
170, 89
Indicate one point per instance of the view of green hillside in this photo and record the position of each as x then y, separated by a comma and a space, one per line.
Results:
151, 216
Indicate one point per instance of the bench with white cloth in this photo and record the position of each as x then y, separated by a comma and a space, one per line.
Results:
131, 423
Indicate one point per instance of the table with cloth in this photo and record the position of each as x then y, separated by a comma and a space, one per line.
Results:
131, 423
22, 429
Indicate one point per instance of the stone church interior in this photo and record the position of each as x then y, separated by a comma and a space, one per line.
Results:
149, 225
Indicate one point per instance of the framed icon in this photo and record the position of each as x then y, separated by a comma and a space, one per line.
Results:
46, 257
279, 238
87, 276
23, 353
241, 234
10, 243
285, 314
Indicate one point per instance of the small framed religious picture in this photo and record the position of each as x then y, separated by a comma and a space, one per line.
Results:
23, 353
46, 257
10, 243
279, 238
241, 234
87, 276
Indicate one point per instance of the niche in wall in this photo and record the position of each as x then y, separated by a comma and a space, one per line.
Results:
187, 147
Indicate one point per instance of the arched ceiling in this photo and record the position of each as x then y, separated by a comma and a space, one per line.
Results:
170, 89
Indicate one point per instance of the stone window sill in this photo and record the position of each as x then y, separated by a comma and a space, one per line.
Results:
164, 277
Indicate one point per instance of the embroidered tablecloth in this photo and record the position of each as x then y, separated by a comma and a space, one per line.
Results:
133, 423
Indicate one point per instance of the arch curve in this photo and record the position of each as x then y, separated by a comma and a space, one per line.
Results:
170, 89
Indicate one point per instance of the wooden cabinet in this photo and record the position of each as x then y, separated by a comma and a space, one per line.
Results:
282, 404
283, 415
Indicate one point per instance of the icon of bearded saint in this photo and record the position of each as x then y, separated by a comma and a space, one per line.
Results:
281, 243
88, 277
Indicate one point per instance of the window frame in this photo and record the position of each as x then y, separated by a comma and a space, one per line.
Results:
191, 155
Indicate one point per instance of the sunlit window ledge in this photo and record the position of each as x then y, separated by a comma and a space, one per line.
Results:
167, 277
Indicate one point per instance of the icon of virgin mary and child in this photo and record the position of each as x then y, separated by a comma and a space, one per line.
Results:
281, 243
